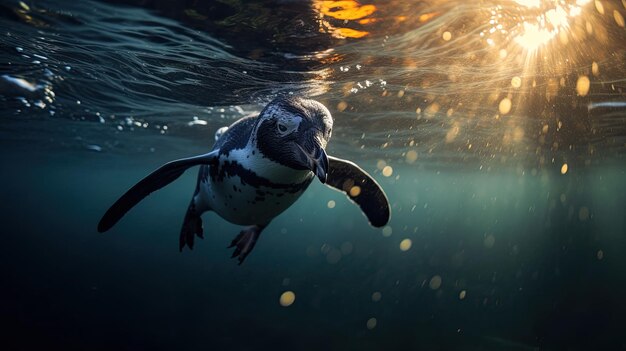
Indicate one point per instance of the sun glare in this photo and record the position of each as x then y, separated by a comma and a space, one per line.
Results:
538, 22
553, 19
534, 36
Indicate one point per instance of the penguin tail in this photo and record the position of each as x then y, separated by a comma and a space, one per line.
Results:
192, 227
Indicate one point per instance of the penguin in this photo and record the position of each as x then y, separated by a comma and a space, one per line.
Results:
258, 167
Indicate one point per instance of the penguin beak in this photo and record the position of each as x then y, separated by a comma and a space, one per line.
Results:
317, 162
321, 165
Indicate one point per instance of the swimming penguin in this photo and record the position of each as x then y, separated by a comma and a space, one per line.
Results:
257, 168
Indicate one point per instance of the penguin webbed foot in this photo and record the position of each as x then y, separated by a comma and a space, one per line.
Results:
192, 226
244, 242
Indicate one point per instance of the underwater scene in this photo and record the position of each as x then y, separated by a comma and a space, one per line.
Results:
495, 128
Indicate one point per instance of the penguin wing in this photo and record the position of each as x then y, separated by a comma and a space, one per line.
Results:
361, 188
154, 181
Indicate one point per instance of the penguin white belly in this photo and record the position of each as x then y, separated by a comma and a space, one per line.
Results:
246, 197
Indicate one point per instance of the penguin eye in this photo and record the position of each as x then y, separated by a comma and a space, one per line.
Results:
287, 126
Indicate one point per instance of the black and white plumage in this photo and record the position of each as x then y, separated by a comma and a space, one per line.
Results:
257, 168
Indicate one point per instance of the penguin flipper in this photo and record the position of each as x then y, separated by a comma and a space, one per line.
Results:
154, 181
346, 176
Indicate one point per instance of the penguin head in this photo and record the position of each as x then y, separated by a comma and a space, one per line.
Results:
294, 132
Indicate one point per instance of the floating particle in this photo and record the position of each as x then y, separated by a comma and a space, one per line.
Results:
564, 168
387, 171
381, 164
405, 244
582, 85
599, 7
619, 19
505, 106
376, 296
600, 255
452, 133
516, 82
427, 16
94, 147
196, 121
411, 156
371, 323
489, 241
447, 36
462, 294
503, 53
342, 106
331, 204
583, 213
387, 231
431, 110
355, 191
595, 69
435, 282
287, 298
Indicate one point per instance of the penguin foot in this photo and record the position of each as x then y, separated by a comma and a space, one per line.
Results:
245, 241
192, 226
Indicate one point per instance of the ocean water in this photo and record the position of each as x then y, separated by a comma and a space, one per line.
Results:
496, 128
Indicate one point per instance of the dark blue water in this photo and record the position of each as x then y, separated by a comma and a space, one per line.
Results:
497, 129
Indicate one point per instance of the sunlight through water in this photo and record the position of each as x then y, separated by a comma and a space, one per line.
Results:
553, 19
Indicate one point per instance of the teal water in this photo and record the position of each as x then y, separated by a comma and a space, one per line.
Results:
507, 227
